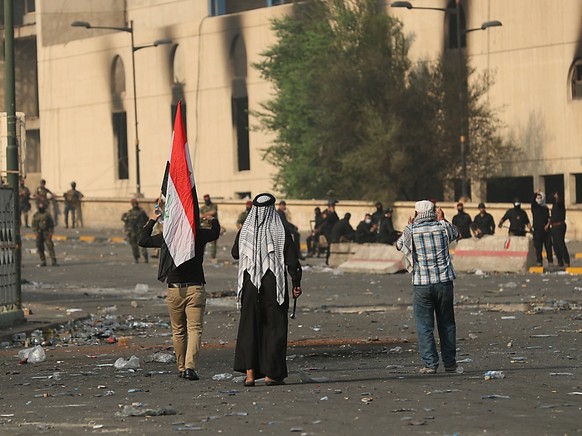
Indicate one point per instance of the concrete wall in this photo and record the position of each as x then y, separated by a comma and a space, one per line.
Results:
106, 213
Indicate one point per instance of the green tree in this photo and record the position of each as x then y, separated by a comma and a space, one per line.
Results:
339, 71
350, 113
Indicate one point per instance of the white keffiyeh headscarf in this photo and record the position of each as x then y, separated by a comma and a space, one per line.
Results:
261, 245
425, 212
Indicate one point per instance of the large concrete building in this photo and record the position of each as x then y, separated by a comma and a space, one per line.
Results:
76, 85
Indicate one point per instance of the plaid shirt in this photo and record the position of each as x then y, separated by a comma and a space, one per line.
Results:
431, 259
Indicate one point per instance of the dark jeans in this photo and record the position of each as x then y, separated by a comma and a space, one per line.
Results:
428, 301
558, 234
72, 210
541, 239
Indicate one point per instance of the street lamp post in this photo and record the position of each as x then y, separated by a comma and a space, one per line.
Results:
462, 84
157, 42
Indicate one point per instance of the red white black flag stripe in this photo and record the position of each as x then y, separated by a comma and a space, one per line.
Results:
181, 214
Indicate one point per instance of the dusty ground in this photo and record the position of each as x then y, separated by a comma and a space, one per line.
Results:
352, 358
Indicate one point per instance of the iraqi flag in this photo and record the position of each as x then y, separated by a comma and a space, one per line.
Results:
181, 214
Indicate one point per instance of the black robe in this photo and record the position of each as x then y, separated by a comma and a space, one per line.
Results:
261, 342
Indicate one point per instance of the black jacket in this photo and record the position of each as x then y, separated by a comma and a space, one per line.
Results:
462, 221
190, 271
342, 228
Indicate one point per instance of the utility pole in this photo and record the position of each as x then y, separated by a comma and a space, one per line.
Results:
462, 90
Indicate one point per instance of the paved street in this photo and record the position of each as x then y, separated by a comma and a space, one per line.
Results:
353, 359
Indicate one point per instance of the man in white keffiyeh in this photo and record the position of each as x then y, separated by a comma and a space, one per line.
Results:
261, 244
264, 247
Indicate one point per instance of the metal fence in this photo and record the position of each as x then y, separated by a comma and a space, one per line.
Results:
8, 279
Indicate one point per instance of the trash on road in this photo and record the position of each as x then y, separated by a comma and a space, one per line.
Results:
34, 354
139, 410
131, 363
19, 337
495, 396
223, 376
557, 374
73, 310
161, 357
490, 375
141, 288
306, 378
108, 309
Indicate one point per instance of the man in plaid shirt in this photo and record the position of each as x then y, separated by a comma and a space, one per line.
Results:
425, 243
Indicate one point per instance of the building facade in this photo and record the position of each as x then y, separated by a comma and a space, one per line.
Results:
76, 86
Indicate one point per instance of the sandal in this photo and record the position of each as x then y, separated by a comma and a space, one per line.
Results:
249, 383
274, 382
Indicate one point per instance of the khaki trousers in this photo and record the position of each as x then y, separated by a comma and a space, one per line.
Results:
186, 308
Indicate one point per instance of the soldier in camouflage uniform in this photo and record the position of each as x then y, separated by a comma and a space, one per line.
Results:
134, 220
243, 215
43, 226
207, 213
72, 203
43, 195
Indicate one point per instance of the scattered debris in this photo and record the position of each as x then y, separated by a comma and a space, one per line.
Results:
223, 376
34, 354
139, 410
490, 375
131, 363
161, 357
495, 396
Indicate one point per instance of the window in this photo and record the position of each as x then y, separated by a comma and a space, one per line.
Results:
243, 195
453, 28
240, 118
505, 189
576, 79
458, 188
240, 103
578, 181
554, 183
178, 74
224, 7
120, 140
119, 118
32, 158
217, 7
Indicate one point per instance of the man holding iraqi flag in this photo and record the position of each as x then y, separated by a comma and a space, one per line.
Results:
182, 251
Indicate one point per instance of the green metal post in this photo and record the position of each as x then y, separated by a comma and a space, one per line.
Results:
12, 166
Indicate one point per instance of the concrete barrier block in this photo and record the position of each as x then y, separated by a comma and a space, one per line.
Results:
495, 254
340, 253
374, 259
